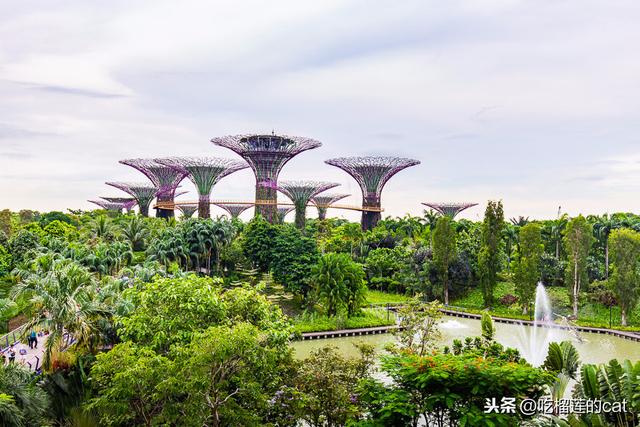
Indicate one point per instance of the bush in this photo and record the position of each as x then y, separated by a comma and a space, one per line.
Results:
508, 300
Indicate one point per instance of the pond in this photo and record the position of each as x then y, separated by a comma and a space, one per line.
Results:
594, 348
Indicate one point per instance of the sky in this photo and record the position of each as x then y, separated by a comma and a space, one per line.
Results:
536, 103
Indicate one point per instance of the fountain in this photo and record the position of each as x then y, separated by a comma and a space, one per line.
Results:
534, 341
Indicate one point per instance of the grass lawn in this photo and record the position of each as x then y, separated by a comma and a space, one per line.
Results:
589, 314
382, 298
317, 323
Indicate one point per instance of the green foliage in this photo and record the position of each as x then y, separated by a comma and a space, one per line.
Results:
418, 327
22, 402
578, 237
527, 264
328, 384
339, 284
257, 242
625, 280
59, 229
22, 246
292, 257
368, 318
383, 266
5, 261
49, 217
487, 327
489, 256
450, 389
171, 310
444, 251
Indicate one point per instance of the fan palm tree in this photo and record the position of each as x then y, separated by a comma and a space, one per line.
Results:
102, 227
62, 294
135, 230
562, 359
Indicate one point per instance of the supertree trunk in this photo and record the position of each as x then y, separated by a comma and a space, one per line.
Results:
322, 213
301, 215
269, 211
370, 218
144, 209
204, 208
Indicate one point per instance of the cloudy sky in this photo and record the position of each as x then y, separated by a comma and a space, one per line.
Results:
536, 103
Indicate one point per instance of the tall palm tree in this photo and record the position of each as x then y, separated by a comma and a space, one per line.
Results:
135, 230
62, 294
102, 228
602, 228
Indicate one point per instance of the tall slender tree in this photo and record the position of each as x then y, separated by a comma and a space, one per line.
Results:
625, 279
527, 264
578, 238
444, 251
489, 255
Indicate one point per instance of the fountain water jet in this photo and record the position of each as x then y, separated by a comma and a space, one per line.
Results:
535, 339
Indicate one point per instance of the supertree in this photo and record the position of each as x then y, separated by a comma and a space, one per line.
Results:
109, 206
188, 210
300, 193
267, 155
323, 202
127, 202
143, 192
165, 178
449, 209
372, 173
234, 209
204, 172
281, 212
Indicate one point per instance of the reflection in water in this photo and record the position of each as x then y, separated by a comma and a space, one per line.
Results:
595, 348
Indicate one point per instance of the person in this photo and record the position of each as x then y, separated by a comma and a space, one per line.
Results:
33, 340
12, 354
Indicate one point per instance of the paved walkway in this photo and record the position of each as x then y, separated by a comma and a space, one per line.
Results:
33, 357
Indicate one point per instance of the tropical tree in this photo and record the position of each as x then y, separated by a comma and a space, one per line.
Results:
135, 230
339, 283
102, 228
489, 256
625, 280
293, 256
563, 360
527, 268
578, 237
62, 296
22, 402
418, 326
444, 251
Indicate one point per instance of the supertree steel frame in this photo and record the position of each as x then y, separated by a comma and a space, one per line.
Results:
204, 172
323, 202
372, 173
234, 209
166, 178
267, 155
143, 192
300, 193
281, 212
127, 202
449, 209
188, 210
109, 206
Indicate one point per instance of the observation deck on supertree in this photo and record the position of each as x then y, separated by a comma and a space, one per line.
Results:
234, 209
188, 210
165, 178
143, 192
266, 155
323, 202
204, 172
127, 202
450, 209
372, 173
282, 212
300, 193
109, 206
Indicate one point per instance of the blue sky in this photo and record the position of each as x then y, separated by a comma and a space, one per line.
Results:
532, 102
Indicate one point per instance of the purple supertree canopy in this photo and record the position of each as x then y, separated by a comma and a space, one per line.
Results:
323, 202
300, 192
234, 209
188, 209
166, 178
127, 202
326, 200
143, 192
282, 212
450, 209
372, 173
266, 155
110, 206
204, 172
